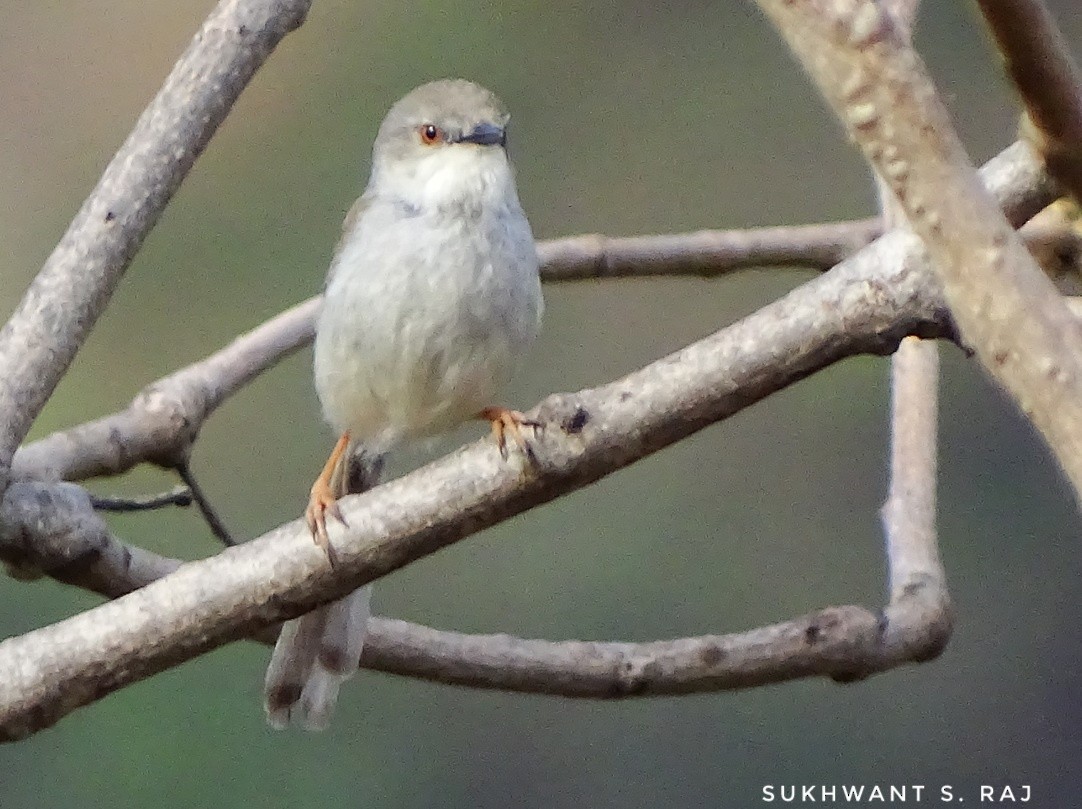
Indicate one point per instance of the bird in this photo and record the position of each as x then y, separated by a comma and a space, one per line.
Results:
431, 303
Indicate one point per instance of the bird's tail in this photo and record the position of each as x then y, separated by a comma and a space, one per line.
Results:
319, 651
314, 655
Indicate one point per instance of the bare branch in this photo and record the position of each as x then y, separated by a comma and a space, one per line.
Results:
1006, 308
162, 422
839, 642
1040, 65
918, 587
866, 304
708, 253
180, 496
76, 282
49, 672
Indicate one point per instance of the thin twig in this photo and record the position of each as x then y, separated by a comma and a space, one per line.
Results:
180, 496
707, 254
74, 286
1037, 59
217, 527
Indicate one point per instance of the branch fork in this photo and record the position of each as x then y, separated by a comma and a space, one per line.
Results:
166, 611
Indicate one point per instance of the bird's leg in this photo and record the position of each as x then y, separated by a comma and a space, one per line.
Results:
509, 422
324, 496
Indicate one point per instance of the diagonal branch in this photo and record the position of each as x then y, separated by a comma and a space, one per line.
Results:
48, 672
1039, 63
164, 419
839, 642
75, 284
866, 304
1005, 307
162, 422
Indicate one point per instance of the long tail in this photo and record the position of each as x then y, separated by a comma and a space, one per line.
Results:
319, 651
314, 655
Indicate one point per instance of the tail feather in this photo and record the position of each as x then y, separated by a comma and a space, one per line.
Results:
291, 664
319, 651
314, 655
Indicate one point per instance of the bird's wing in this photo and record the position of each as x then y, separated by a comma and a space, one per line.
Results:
352, 217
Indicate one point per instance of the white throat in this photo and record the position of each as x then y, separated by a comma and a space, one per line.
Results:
456, 177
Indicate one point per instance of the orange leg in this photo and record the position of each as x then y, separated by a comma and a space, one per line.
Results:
509, 422
324, 497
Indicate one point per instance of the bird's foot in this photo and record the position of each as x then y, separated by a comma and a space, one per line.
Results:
322, 502
506, 422
323, 499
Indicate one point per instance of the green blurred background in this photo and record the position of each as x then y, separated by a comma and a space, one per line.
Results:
628, 118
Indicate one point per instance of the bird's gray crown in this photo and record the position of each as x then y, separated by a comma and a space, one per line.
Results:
461, 110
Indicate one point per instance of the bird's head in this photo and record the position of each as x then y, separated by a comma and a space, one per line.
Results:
444, 144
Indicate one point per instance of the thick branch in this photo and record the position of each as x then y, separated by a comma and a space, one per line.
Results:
866, 304
75, 284
1039, 63
73, 545
49, 672
1006, 308
162, 422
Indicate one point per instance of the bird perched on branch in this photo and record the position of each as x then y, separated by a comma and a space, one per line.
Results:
431, 301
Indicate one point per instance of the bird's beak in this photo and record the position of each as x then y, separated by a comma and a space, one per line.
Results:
485, 135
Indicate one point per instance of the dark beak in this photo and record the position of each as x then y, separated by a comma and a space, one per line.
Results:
485, 135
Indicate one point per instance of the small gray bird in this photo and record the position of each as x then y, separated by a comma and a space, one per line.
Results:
432, 300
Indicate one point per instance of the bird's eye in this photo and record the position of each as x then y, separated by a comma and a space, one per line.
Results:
430, 133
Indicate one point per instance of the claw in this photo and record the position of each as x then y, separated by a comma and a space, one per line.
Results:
323, 501
510, 422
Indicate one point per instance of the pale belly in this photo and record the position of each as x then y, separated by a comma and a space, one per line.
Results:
403, 355
383, 394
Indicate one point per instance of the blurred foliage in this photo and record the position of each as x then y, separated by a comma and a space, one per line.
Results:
628, 118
